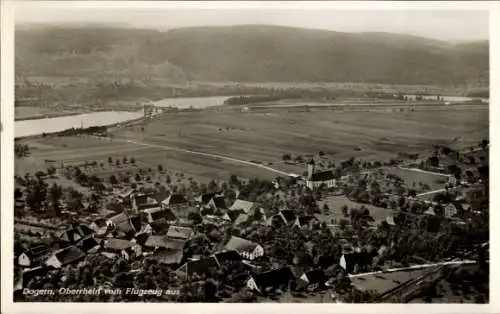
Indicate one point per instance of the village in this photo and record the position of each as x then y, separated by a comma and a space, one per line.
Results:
359, 232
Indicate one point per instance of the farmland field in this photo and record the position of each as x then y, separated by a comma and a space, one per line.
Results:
335, 204
434, 181
264, 137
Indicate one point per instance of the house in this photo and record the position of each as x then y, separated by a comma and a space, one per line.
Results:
217, 203
34, 256
65, 256
175, 200
317, 179
183, 233
273, 279
476, 196
237, 217
227, 257
73, 235
312, 280
286, 217
159, 226
156, 213
141, 201
167, 257
89, 244
245, 206
156, 242
204, 199
306, 221
198, 267
124, 248
99, 226
125, 223
450, 210
248, 249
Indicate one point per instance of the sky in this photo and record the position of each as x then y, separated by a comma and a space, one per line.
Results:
449, 24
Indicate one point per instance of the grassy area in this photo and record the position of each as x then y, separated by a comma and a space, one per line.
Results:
335, 204
264, 138
434, 181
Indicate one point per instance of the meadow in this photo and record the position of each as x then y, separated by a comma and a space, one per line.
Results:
264, 137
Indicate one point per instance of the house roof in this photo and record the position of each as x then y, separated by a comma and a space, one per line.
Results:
316, 276
125, 223
179, 232
159, 213
227, 256
168, 257
74, 234
117, 244
305, 219
273, 277
100, 222
37, 251
201, 266
175, 199
219, 202
69, 255
322, 176
87, 243
240, 244
288, 215
245, 206
159, 225
164, 242
205, 198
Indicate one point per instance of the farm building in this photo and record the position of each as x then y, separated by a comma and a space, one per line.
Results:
156, 213
312, 280
65, 256
306, 221
175, 201
162, 242
245, 206
198, 267
34, 256
124, 248
167, 257
125, 223
317, 179
273, 279
88, 244
176, 232
248, 249
73, 235
141, 201
99, 226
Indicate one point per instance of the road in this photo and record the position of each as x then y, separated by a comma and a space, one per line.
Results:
216, 156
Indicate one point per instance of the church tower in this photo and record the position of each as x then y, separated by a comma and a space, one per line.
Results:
310, 168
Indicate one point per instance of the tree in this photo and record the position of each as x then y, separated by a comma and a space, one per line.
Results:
113, 180
132, 160
51, 170
125, 160
110, 160
160, 168
117, 162
195, 217
138, 177
55, 194
345, 210
21, 150
286, 157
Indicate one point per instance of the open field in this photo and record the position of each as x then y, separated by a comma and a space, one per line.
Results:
434, 181
335, 204
264, 137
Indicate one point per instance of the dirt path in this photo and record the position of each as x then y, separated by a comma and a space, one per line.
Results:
216, 156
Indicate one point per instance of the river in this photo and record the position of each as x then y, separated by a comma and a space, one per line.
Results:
25, 128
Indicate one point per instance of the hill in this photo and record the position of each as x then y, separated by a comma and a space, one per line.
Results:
248, 53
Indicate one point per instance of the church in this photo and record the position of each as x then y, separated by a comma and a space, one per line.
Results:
316, 179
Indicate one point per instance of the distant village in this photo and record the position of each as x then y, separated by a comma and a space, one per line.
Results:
331, 234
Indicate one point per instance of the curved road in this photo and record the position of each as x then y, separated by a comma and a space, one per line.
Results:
231, 159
